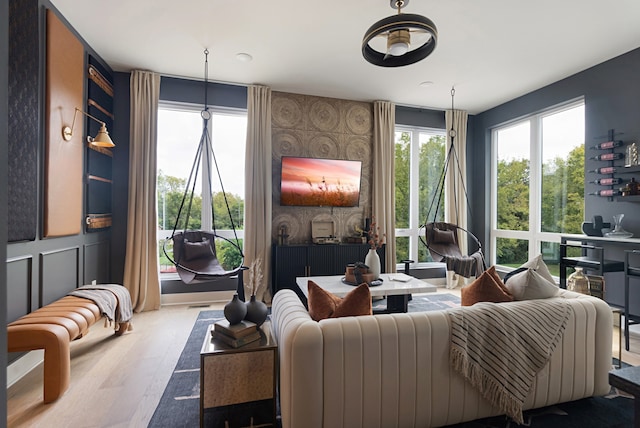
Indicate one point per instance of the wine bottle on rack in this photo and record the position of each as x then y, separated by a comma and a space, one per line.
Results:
604, 170
607, 145
608, 156
607, 192
607, 181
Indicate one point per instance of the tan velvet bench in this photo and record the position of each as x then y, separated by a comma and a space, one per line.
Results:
52, 328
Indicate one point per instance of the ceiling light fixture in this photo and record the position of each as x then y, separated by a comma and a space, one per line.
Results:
243, 57
102, 139
402, 32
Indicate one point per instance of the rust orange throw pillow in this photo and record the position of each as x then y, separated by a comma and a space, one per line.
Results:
323, 304
488, 287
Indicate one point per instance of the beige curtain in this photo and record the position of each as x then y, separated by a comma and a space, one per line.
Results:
141, 270
456, 180
257, 231
383, 200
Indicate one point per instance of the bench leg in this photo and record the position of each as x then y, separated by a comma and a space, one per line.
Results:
54, 339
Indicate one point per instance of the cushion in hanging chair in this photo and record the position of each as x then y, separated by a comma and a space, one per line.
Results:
443, 236
198, 249
195, 258
442, 240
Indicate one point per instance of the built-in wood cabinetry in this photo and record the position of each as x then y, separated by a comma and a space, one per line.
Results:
99, 160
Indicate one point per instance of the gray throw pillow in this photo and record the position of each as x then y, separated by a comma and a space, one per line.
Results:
539, 266
529, 284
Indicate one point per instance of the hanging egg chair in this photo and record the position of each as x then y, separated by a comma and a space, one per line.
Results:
194, 251
441, 238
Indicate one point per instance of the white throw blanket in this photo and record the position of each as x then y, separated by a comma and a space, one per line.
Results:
499, 348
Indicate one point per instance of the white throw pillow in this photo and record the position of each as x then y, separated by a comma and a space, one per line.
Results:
529, 284
539, 266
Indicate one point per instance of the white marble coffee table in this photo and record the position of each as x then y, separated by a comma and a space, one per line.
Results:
396, 287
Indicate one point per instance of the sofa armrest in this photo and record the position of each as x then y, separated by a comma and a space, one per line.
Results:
300, 352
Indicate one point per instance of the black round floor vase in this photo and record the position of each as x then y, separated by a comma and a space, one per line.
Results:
257, 311
235, 310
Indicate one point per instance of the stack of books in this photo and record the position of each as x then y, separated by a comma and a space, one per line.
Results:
235, 335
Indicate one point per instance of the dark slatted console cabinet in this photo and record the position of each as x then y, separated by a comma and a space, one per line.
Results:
291, 261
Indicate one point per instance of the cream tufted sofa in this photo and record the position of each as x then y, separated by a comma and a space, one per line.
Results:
393, 370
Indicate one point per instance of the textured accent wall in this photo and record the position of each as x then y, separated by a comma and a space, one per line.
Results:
327, 128
23, 130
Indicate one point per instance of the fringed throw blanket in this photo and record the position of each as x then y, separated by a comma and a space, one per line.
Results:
113, 300
466, 266
499, 348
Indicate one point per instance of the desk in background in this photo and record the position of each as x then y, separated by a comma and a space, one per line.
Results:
596, 258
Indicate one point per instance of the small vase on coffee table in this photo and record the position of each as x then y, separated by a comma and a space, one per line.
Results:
372, 260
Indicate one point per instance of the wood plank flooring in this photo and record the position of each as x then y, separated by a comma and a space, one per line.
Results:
118, 381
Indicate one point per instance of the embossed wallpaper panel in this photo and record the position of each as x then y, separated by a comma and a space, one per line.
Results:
23, 144
327, 128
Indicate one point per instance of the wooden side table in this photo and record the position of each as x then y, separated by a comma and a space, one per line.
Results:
238, 385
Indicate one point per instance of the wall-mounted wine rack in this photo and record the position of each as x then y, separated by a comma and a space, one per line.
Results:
613, 175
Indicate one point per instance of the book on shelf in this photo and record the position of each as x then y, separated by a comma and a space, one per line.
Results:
236, 342
596, 286
242, 329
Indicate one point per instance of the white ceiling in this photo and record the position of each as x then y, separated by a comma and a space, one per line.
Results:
491, 51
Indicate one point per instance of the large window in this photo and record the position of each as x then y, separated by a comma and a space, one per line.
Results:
538, 185
419, 158
179, 133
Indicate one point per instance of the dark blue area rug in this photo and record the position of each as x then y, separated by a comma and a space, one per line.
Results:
611, 411
180, 402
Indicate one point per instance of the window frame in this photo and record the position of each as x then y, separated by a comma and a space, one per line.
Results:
206, 201
534, 235
413, 232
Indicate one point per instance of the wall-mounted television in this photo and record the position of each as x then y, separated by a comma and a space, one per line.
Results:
314, 182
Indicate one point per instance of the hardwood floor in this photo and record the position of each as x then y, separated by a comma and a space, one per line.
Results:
118, 381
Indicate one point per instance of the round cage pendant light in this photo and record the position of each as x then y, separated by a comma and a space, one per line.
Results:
410, 38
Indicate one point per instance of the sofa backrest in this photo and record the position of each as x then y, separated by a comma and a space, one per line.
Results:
393, 370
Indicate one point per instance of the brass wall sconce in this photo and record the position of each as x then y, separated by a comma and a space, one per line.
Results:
101, 139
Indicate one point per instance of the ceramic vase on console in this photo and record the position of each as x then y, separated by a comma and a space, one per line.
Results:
372, 260
257, 311
578, 282
235, 310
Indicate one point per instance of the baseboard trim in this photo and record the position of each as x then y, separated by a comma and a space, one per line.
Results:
23, 365
196, 298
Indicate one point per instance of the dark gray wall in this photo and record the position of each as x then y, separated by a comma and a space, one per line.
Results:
4, 119
192, 91
611, 91
42, 270
421, 117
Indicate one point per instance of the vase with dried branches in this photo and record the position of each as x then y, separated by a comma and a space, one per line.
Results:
257, 311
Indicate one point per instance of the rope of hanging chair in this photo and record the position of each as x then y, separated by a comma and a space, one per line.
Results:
205, 144
452, 157
215, 161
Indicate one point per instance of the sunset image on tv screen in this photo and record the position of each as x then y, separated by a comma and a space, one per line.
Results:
320, 182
